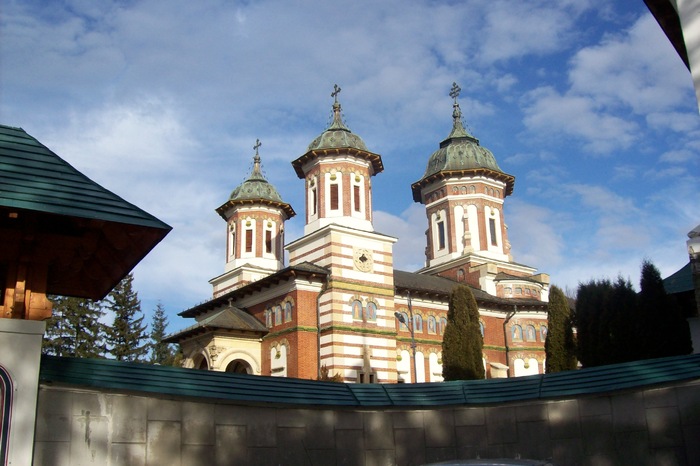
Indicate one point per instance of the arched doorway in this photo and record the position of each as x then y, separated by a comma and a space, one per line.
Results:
239, 366
200, 362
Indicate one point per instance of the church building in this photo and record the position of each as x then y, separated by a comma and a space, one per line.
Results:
339, 302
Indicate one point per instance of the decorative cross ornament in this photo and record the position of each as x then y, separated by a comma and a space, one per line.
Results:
454, 92
336, 91
257, 146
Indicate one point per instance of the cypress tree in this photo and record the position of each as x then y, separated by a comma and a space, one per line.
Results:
662, 327
589, 308
127, 339
462, 344
559, 346
161, 353
75, 329
619, 320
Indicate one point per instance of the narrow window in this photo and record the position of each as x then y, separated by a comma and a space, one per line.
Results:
432, 324
278, 315
268, 241
543, 332
314, 201
356, 197
530, 333
268, 318
492, 227
417, 323
249, 241
441, 235
481, 328
517, 332
287, 311
371, 311
334, 196
443, 324
357, 310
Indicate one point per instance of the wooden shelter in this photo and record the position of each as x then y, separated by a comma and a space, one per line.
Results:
60, 232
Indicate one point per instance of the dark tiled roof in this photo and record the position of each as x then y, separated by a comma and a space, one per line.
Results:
681, 281
419, 283
230, 318
305, 269
240, 388
88, 237
32, 177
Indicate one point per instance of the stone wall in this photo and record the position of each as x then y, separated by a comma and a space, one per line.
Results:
659, 426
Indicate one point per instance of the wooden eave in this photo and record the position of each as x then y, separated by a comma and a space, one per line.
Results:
374, 159
288, 210
417, 187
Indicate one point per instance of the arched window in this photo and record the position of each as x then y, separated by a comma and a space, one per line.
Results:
357, 310
278, 315
443, 324
287, 311
517, 332
371, 311
460, 275
543, 332
530, 334
404, 326
417, 323
432, 324
268, 318
481, 328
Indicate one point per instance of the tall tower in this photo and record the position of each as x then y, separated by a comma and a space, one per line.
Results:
356, 309
463, 190
255, 214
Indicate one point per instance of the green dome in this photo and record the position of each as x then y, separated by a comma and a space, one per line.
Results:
337, 136
256, 187
460, 154
460, 151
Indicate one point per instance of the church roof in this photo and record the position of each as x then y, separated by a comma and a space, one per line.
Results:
460, 154
335, 138
90, 237
441, 288
256, 189
305, 269
230, 318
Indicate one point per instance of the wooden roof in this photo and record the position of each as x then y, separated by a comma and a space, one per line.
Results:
87, 237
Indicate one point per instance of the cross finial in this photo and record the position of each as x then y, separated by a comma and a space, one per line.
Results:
336, 91
454, 92
257, 146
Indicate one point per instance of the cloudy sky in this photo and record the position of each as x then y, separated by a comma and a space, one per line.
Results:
584, 101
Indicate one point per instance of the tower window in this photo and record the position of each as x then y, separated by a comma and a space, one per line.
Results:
268, 241
334, 196
492, 228
314, 201
441, 235
249, 241
356, 197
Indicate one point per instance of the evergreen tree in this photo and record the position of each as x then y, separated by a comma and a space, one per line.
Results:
590, 302
127, 339
161, 353
462, 344
559, 346
663, 329
75, 329
619, 320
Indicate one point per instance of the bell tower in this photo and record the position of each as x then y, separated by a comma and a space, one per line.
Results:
255, 216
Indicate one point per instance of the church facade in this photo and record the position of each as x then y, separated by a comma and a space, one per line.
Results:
340, 304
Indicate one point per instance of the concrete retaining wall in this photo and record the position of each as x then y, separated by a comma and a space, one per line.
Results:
659, 426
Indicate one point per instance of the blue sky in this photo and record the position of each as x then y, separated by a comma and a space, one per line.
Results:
584, 101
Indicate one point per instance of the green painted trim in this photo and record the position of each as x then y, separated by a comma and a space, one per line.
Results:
291, 330
419, 340
348, 328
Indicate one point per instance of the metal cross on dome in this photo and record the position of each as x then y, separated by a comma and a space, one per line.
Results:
257, 146
336, 91
454, 92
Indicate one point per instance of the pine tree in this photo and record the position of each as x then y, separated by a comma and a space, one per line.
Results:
75, 329
161, 353
559, 346
127, 339
662, 329
462, 345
